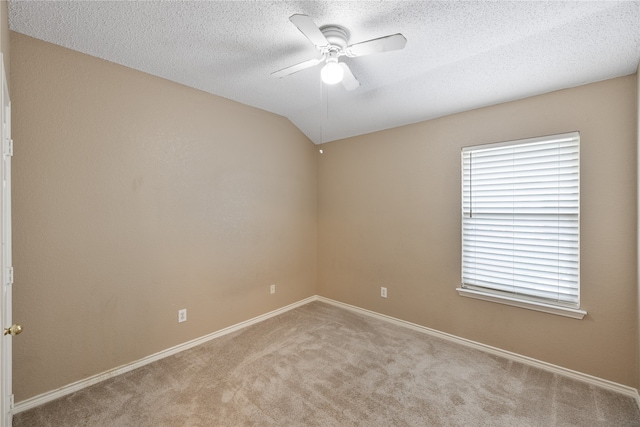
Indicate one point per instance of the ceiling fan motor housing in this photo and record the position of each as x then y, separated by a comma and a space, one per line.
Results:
336, 35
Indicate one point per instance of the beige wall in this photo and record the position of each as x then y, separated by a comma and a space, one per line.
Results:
389, 215
638, 222
134, 197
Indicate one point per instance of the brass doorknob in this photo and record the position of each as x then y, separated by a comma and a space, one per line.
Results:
13, 330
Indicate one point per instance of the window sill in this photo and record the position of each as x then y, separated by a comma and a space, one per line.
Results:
530, 305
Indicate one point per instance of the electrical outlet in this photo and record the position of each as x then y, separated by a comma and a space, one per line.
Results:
272, 290
383, 292
182, 315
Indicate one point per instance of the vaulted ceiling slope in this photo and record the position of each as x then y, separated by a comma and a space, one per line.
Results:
459, 55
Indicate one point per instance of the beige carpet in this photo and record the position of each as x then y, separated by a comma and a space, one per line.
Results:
320, 365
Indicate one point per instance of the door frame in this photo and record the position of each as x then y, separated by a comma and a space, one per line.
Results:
6, 262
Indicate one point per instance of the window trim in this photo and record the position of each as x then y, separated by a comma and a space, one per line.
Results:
569, 310
517, 302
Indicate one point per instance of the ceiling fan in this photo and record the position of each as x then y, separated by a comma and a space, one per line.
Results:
331, 41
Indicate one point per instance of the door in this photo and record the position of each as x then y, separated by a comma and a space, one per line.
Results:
6, 266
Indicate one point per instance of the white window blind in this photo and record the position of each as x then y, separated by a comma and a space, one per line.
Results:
520, 219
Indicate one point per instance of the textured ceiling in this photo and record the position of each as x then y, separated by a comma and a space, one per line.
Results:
459, 55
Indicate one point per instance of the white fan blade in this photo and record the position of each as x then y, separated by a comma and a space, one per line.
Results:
310, 30
295, 68
382, 44
349, 81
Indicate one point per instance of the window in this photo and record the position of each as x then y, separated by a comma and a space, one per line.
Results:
520, 223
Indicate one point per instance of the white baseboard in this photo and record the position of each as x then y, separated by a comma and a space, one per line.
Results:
595, 381
79, 385
41, 399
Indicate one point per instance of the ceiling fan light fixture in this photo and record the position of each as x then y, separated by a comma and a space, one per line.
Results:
332, 72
